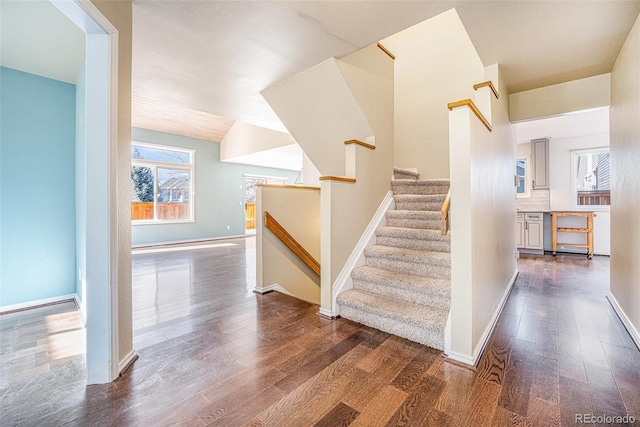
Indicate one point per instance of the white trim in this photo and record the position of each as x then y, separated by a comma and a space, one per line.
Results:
275, 287
635, 336
477, 353
41, 302
127, 361
368, 238
178, 242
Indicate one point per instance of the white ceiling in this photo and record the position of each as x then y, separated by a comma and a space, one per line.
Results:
593, 122
216, 56
37, 38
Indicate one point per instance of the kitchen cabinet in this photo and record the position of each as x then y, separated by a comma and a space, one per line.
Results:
540, 166
530, 231
520, 230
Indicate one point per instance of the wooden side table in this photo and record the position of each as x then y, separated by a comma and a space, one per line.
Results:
588, 231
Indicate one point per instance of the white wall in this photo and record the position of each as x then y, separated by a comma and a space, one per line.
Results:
436, 63
625, 158
576, 95
562, 197
483, 212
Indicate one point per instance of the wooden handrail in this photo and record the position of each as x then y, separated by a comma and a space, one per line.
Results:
337, 178
286, 238
364, 144
469, 103
491, 86
299, 187
444, 214
387, 51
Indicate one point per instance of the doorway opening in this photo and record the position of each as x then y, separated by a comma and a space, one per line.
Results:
250, 184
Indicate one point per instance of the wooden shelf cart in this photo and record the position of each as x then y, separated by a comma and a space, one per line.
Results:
588, 231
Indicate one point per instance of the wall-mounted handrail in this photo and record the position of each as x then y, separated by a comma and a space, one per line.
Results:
387, 51
444, 214
469, 103
295, 247
491, 86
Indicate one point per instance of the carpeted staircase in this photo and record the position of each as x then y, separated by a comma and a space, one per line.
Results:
404, 288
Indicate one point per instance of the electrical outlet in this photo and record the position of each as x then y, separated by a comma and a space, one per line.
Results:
228, 227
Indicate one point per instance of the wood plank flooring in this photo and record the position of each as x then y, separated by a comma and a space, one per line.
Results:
213, 353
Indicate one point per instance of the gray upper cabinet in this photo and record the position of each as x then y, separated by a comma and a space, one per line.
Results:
540, 169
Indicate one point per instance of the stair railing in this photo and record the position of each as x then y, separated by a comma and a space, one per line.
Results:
281, 233
444, 214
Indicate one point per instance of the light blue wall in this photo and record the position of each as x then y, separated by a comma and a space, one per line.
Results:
37, 139
219, 192
81, 187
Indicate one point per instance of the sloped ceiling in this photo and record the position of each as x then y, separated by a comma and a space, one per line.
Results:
216, 56
37, 38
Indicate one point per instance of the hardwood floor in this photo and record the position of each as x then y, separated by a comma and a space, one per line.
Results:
213, 353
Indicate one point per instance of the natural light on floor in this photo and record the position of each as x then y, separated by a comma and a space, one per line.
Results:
179, 248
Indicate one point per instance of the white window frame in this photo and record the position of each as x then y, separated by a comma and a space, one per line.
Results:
155, 164
574, 189
527, 181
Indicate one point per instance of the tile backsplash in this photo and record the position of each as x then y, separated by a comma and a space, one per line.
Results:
539, 201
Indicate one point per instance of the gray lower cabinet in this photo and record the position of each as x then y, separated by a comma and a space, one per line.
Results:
530, 231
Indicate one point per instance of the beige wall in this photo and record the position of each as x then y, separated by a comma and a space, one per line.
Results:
244, 139
436, 63
576, 95
119, 13
625, 158
320, 112
347, 208
483, 222
276, 264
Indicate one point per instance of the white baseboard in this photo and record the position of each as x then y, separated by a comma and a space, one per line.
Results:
477, 353
275, 287
41, 302
127, 361
635, 336
343, 281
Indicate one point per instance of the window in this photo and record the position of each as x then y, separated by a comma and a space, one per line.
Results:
522, 167
161, 184
591, 177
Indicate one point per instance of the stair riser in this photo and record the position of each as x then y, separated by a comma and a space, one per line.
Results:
418, 206
400, 175
425, 245
432, 338
431, 299
413, 223
419, 189
421, 269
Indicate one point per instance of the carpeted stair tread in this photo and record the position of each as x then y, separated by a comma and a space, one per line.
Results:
400, 173
412, 238
412, 233
408, 255
406, 287
412, 186
423, 324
